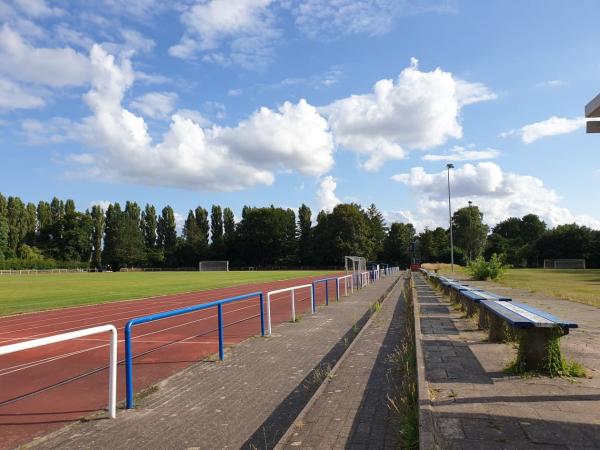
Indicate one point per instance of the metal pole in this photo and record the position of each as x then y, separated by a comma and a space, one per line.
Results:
450, 166
221, 344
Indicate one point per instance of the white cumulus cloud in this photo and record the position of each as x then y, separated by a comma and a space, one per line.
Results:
13, 96
419, 110
499, 194
550, 127
47, 66
293, 138
156, 105
326, 198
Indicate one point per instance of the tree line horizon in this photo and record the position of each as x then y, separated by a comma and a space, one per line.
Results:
56, 235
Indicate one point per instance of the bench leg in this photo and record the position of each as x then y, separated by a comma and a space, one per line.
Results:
496, 332
470, 308
539, 349
483, 317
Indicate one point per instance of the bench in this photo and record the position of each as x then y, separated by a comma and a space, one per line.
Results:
537, 329
472, 298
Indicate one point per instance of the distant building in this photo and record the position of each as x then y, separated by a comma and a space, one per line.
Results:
592, 110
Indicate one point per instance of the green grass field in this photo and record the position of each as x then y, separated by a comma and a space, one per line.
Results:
24, 293
581, 286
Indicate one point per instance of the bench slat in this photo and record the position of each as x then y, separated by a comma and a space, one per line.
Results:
513, 318
546, 315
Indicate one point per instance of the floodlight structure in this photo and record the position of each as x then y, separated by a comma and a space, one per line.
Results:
450, 166
592, 110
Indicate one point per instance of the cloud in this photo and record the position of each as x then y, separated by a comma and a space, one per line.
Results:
294, 137
234, 92
499, 195
47, 66
320, 19
552, 83
13, 96
38, 9
156, 105
326, 198
244, 29
458, 153
53, 131
420, 110
550, 127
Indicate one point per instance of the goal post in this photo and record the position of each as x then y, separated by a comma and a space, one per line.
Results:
564, 263
213, 266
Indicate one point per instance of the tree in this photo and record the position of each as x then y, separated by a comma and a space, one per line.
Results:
470, 232
229, 233
3, 227
17, 224
149, 226
378, 230
98, 223
30, 224
304, 235
397, 244
267, 236
217, 247
167, 233
344, 231
76, 243
201, 216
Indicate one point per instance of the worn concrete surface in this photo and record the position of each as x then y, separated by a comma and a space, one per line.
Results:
475, 405
247, 401
352, 412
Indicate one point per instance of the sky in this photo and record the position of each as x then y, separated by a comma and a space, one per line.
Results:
284, 102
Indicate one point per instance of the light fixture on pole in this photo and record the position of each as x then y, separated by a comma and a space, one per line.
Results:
450, 166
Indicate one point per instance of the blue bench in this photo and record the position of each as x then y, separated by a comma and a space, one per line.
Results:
471, 299
536, 327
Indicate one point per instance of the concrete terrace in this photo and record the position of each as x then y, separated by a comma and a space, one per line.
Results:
247, 401
473, 404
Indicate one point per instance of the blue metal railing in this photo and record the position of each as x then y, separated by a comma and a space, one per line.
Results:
177, 312
326, 281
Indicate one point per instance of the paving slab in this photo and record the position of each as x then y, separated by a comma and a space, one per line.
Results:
352, 409
475, 404
247, 401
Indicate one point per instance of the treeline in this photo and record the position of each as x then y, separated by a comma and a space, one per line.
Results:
54, 234
521, 242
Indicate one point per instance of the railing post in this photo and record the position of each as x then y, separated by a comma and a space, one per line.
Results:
327, 292
112, 376
269, 311
221, 345
314, 298
337, 289
128, 367
293, 307
262, 315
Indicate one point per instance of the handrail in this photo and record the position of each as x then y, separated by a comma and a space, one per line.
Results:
177, 312
326, 281
112, 371
293, 289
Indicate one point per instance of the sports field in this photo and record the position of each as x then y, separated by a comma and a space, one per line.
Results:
25, 293
581, 286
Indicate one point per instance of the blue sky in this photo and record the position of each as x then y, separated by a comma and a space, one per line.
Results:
286, 102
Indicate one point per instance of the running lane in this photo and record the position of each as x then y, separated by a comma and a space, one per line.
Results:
43, 389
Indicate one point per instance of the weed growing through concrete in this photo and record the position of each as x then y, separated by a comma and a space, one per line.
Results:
375, 308
553, 365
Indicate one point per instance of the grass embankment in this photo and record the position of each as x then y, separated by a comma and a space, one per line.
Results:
575, 285
25, 293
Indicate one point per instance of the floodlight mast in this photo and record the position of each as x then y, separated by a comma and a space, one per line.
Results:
450, 166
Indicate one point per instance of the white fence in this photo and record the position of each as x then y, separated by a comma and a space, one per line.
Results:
292, 289
112, 371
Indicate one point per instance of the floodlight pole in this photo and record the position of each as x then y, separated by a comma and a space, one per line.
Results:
450, 166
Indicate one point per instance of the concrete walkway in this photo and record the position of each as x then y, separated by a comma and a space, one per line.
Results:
352, 411
247, 401
475, 405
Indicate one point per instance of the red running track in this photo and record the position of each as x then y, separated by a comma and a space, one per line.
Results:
45, 388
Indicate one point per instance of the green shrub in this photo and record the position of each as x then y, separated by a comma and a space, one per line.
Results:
480, 269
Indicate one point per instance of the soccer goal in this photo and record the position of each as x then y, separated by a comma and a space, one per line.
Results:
213, 266
564, 263
355, 264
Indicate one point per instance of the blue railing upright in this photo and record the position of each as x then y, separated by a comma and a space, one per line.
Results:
326, 281
177, 312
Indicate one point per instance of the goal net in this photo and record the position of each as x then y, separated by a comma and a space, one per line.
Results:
564, 263
355, 264
213, 266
